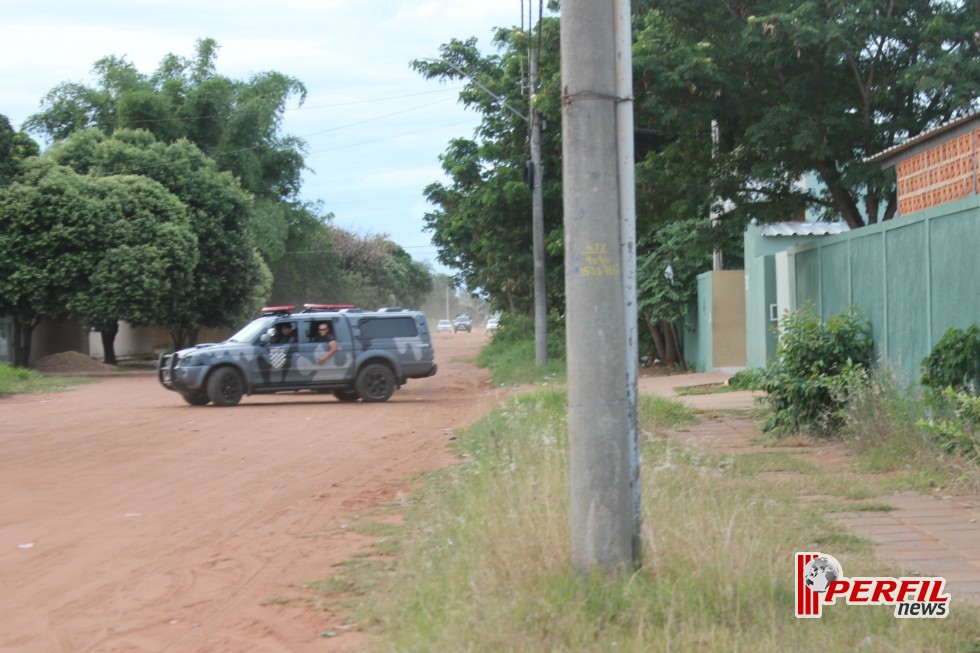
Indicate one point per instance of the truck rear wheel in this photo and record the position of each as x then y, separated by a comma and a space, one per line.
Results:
375, 383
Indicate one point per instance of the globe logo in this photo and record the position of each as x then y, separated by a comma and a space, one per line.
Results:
820, 571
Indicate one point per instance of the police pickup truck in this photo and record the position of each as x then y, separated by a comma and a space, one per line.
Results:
285, 350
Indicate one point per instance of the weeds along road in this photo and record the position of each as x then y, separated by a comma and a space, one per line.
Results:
130, 521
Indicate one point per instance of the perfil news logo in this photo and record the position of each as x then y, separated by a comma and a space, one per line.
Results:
820, 581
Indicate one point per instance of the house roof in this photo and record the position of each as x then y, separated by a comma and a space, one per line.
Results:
804, 228
914, 145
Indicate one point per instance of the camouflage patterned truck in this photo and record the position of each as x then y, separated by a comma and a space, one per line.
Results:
376, 352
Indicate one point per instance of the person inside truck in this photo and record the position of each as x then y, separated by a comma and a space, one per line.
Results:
284, 333
325, 334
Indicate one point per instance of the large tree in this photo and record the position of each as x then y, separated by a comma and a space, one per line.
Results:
237, 123
101, 249
15, 148
49, 243
794, 88
482, 223
228, 267
147, 263
378, 272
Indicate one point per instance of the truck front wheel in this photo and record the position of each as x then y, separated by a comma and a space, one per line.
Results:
225, 387
375, 383
196, 400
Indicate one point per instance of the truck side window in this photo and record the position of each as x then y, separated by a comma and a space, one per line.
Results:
398, 327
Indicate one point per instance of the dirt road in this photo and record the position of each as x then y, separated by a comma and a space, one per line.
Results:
130, 521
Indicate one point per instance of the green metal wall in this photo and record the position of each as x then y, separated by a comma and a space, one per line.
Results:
760, 292
697, 327
914, 277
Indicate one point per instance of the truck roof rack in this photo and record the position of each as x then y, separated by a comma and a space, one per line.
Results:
277, 310
312, 308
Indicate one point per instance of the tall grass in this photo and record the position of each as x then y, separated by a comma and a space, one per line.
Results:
483, 563
513, 363
885, 426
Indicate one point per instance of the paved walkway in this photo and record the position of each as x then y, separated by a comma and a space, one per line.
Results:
926, 535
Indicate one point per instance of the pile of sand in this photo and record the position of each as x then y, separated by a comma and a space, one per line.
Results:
71, 362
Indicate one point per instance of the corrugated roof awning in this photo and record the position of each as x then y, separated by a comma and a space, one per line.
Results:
804, 228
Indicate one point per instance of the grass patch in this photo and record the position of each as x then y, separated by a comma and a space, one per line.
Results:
512, 363
484, 562
751, 464
18, 380
656, 413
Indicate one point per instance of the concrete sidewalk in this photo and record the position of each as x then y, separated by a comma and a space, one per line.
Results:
926, 535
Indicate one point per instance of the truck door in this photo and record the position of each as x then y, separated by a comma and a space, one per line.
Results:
275, 359
307, 370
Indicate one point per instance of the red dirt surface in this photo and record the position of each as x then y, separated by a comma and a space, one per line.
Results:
130, 521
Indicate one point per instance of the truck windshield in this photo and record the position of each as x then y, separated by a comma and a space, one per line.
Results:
252, 330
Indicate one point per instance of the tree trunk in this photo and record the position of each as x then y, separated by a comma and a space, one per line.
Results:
670, 349
670, 356
183, 338
109, 343
678, 344
658, 337
23, 331
177, 338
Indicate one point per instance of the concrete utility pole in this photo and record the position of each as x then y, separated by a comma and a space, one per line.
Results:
627, 243
537, 221
604, 478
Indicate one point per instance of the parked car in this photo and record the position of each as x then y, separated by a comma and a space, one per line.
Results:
444, 325
279, 351
462, 323
492, 325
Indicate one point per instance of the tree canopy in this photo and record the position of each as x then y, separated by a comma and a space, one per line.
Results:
236, 123
795, 89
756, 109
104, 249
482, 223
15, 148
217, 144
228, 267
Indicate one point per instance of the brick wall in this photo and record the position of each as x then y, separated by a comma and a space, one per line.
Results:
941, 174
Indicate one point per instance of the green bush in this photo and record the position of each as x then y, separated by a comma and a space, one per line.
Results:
951, 377
816, 362
955, 425
954, 362
518, 328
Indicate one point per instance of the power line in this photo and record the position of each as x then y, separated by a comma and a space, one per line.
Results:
385, 138
387, 115
384, 99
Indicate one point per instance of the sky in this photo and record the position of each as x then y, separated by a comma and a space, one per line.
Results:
374, 127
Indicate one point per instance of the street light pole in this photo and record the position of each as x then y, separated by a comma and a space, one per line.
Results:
537, 222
